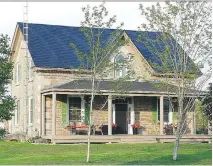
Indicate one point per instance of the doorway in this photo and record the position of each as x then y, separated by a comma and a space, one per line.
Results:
121, 118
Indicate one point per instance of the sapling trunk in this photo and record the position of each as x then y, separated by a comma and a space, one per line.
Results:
175, 152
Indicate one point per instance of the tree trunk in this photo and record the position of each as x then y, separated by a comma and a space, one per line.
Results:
90, 119
88, 144
175, 152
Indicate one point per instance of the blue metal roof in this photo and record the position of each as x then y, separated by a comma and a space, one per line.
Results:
49, 45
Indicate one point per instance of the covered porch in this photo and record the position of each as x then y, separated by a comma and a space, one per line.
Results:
140, 105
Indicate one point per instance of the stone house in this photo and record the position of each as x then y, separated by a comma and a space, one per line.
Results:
45, 80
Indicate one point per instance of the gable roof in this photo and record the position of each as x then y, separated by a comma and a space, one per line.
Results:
49, 45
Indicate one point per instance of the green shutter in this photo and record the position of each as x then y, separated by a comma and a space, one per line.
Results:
87, 113
154, 109
64, 111
174, 117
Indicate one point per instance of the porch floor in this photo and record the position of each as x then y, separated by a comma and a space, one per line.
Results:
124, 138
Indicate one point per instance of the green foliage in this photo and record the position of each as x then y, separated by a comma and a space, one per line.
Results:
6, 68
201, 118
207, 103
2, 133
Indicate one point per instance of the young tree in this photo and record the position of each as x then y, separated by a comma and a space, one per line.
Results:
180, 45
8, 103
97, 60
207, 106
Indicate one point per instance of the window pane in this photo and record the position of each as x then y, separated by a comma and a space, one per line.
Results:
75, 103
19, 73
165, 110
75, 109
31, 106
75, 115
18, 111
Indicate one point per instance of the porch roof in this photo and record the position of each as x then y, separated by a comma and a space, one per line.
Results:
113, 86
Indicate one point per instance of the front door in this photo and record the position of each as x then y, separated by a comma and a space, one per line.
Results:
121, 118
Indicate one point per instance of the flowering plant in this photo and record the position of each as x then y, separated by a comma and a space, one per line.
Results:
174, 126
136, 125
114, 125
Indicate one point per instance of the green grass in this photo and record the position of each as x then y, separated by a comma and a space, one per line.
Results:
123, 154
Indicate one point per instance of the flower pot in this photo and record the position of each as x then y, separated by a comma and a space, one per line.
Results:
135, 131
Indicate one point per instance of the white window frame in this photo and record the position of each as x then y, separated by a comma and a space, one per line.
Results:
169, 114
82, 106
30, 111
17, 111
17, 76
121, 73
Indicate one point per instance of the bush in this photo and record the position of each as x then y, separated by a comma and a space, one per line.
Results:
202, 131
2, 133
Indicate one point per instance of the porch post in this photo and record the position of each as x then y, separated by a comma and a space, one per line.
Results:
53, 114
109, 115
43, 115
193, 126
161, 115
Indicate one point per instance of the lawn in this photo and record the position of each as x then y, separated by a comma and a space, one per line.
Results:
122, 154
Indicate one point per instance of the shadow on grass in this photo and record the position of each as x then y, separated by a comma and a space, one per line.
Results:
203, 158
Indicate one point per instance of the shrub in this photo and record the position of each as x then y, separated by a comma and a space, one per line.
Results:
2, 133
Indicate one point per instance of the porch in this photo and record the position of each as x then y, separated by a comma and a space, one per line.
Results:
148, 108
129, 139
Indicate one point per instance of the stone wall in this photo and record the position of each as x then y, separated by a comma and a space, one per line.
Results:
143, 115
100, 111
48, 115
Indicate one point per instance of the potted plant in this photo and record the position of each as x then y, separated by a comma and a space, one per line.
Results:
135, 127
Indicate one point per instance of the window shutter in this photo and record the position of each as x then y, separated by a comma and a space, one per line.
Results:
154, 109
175, 113
64, 110
87, 113
174, 117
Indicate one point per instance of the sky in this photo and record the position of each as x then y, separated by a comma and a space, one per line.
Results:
65, 13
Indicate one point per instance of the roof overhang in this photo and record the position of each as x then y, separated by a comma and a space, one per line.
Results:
82, 87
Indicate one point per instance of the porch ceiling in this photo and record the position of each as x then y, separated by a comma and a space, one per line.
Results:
113, 86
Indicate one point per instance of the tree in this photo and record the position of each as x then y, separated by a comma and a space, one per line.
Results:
207, 103
6, 67
207, 107
97, 60
201, 118
183, 34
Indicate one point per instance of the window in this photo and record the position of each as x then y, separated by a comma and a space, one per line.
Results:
17, 113
17, 73
74, 109
165, 110
120, 68
31, 108
30, 71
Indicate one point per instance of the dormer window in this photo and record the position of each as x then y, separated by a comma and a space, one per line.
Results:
120, 69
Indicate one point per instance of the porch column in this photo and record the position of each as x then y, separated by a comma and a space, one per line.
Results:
109, 115
53, 114
43, 114
161, 115
193, 126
